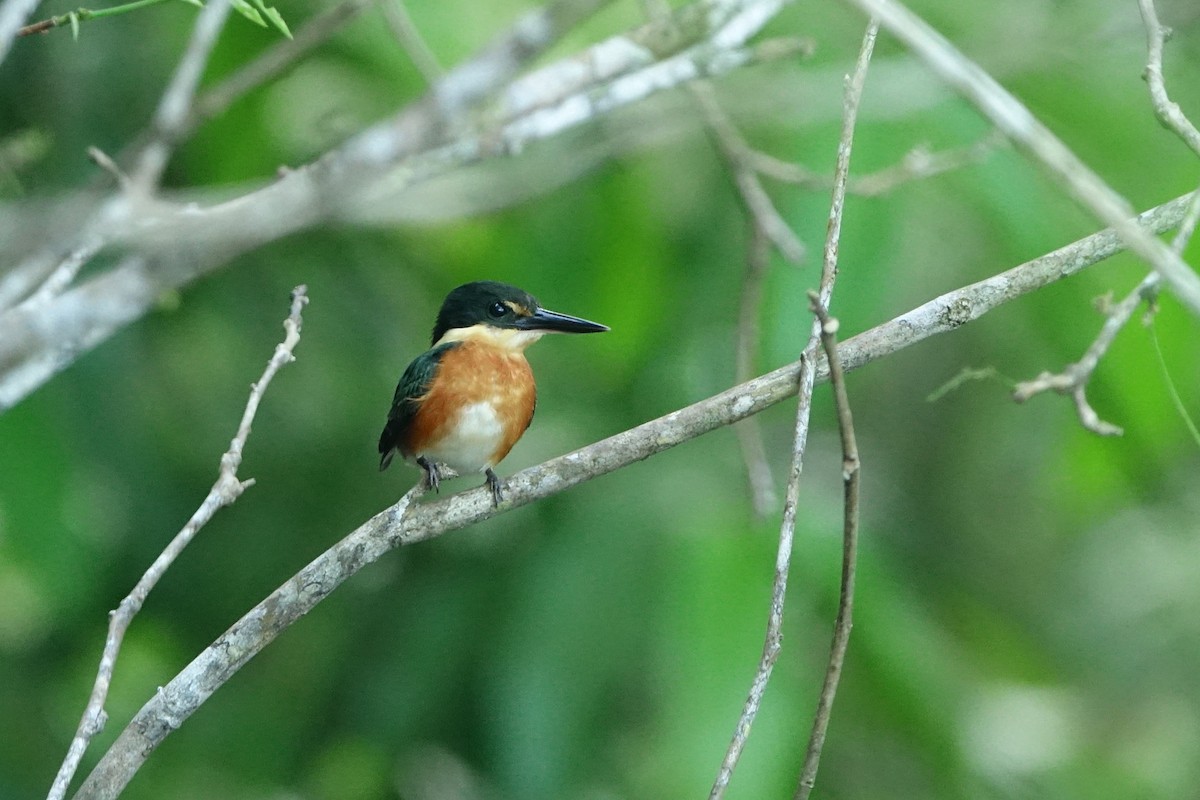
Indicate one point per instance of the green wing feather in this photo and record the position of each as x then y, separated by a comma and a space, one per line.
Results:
414, 384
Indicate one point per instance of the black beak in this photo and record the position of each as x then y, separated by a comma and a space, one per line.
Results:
546, 320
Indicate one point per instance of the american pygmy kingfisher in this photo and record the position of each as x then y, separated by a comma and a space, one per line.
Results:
467, 400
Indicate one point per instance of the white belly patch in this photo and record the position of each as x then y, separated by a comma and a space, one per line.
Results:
472, 441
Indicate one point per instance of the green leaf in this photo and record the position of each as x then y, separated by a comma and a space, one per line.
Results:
248, 11
73, 18
274, 16
195, 3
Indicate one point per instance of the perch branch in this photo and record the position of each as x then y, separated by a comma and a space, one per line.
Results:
398, 525
224, 492
773, 641
1020, 126
845, 613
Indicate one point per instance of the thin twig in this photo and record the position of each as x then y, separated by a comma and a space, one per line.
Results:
171, 116
271, 63
410, 38
738, 154
766, 228
845, 613
1074, 378
224, 492
917, 164
399, 526
749, 432
1019, 125
774, 636
1168, 111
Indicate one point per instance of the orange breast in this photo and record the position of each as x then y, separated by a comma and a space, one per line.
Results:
475, 373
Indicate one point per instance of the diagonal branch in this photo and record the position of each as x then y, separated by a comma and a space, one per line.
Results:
370, 172
171, 116
401, 525
224, 492
1010, 116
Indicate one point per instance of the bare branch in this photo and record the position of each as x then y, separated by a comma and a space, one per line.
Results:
1011, 117
917, 164
749, 432
1165, 108
1074, 378
399, 525
763, 214
364, 177
271, 63
171, 116
774, 637
224, 492
845, 613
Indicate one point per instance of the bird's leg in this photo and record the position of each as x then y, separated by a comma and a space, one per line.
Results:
433, 476
494, 483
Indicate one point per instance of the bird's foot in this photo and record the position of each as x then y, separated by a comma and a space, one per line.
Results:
494, 484
433, 476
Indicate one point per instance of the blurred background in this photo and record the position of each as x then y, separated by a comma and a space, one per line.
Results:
1028, 620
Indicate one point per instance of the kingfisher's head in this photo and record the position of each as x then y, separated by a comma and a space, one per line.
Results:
503, 314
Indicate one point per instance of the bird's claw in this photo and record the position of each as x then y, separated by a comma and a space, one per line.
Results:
493, 483
433, 476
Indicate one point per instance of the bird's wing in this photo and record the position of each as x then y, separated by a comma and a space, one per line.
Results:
413, 386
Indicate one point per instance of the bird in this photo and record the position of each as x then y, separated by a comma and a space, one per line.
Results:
466, 401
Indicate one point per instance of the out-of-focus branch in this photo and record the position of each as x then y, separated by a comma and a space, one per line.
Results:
183, 243
1018, 124
410, 38
271, 63
224, 492
917, 164
1165, 108
845, 613
773, 641
400, 525
171, 115
1073, 380
13, 14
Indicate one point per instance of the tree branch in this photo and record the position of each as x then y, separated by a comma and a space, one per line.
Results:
1073, 380
1011, 117
171, 116
787, 529
367, 175
845, 613
400, 525
1165, 108
224, 492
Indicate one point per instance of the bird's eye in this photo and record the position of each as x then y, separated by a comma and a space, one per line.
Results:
497, 310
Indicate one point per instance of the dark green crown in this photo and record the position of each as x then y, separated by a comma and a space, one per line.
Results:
502, 306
